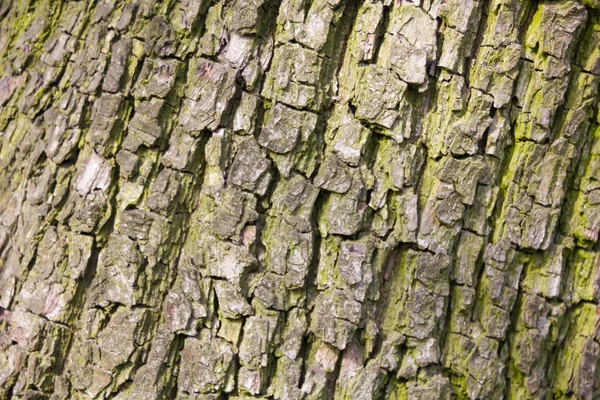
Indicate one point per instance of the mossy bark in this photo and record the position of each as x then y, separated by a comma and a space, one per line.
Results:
299, 199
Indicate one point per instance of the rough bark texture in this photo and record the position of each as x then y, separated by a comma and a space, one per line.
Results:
296, 199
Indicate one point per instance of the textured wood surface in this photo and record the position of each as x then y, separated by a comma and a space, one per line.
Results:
296, 199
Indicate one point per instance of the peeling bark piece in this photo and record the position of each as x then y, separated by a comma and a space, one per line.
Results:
244, 119
283, 128
234, 210
179, 313
379, 100
411, 43
37, 346
7, 86
156, 78
120, 53
205, 365
293, 334
271, 290
334, 175
343, 213
123, 334
225, 260
469, 250
354, 260
104, 126
346, 312
288, 252
294, 200
246, 16
369, 20
404, 219
53, 281
146, 126
117, 273
465, 175
466, 134
285, 382
211, 87
320, 19
250, 169
549, 80
95, 174
462, 19
62, 126
231, 302
257, 345
183, 151
349, 136
294, 77
496, 72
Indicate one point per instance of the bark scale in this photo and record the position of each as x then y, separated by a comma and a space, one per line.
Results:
294, 199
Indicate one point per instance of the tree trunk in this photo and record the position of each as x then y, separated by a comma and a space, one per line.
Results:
295, 199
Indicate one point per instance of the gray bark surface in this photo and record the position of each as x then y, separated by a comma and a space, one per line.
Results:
299, 199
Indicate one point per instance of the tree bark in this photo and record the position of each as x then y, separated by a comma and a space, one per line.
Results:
294, 199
